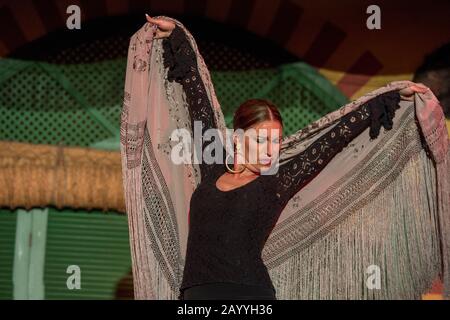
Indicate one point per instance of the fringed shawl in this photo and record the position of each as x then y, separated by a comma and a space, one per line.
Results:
379, 207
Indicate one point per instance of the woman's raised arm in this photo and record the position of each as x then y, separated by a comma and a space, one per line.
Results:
180, 59
295, 174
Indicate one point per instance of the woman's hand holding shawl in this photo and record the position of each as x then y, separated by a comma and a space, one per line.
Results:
163, 27
408, 92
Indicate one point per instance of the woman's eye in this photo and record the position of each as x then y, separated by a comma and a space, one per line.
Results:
260, 139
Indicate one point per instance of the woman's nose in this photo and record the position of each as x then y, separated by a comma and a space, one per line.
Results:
269, 149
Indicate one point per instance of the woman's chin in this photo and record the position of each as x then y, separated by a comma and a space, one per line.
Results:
264, 166
261, 167
265, 162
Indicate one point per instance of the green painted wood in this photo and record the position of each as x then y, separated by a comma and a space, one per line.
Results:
97, 242
37, 253
8, 221
29, 254
22, 255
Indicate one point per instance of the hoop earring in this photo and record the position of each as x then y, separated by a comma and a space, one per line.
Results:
231, 170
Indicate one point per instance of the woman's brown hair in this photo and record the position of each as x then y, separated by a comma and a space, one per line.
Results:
254, 111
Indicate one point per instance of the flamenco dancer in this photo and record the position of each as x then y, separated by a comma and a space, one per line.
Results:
223, 258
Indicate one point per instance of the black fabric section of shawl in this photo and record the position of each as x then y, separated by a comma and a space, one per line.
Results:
228, 230
377, 112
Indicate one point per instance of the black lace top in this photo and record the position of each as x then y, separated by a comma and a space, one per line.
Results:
228, 229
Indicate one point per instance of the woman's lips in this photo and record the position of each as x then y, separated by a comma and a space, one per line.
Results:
265, 161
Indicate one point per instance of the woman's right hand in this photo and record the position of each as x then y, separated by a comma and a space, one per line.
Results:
164, 27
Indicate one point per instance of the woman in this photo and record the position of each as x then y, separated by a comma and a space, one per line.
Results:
233, 210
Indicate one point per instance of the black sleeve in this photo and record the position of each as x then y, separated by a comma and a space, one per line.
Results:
377, 112
180, 59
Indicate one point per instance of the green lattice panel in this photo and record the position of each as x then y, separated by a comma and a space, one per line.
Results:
80, 104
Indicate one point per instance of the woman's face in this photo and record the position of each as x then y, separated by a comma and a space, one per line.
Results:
262, 145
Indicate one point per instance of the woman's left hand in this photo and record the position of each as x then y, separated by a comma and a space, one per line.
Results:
164, 27
408, 92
